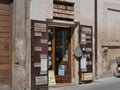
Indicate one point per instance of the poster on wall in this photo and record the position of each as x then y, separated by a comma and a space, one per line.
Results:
40, 80
43, 66
83, 64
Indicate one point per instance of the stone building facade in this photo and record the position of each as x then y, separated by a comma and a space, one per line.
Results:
102, 16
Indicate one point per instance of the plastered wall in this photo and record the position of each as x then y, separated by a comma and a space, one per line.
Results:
108, 36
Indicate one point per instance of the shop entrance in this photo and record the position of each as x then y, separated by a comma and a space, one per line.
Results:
59, 53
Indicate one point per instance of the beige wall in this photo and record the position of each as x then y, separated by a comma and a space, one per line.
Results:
108, 35
41, 9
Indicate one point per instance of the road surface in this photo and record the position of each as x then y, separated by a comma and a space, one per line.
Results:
109, 83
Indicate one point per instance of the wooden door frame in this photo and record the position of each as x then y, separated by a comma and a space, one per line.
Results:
69, 56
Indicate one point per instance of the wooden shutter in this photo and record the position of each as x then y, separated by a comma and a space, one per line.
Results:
5, 44
39, 54
85, 35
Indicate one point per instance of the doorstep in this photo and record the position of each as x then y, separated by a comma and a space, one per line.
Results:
61, 85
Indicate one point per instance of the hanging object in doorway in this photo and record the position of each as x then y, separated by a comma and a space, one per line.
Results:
78, 52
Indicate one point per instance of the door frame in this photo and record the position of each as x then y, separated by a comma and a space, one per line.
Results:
62, 78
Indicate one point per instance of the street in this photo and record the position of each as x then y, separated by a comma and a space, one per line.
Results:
109, 83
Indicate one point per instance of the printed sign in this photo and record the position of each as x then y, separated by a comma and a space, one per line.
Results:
43, 66
52, 81
88, 49
87, 76
38, 34
40, 80
43, 56
44, 41
83, 64
40, 27
38, 48
37, 64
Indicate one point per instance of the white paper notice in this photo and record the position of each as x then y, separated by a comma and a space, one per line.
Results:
83, 63
43, 64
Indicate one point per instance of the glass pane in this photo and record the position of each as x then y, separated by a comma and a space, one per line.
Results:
61, 47
62, 70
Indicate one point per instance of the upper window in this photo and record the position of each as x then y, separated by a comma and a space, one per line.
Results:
63, 10
5, 1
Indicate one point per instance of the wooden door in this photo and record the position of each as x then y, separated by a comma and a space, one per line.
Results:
61, 54
39, 54
5, 43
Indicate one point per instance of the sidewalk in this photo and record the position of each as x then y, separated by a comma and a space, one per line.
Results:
103, 81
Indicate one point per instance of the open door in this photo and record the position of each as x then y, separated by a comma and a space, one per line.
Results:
61, 53
39, 54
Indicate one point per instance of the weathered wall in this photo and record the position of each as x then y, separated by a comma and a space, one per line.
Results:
108, 36
41, 9
83, 13
20, 45
87, 17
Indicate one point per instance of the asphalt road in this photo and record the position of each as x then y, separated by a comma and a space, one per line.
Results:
110, 83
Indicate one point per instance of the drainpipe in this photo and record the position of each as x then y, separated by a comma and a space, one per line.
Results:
96, 59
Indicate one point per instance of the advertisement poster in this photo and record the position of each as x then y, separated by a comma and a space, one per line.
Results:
52, 81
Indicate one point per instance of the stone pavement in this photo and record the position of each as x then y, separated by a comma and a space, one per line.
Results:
103, 81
